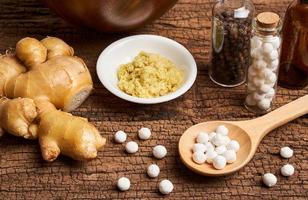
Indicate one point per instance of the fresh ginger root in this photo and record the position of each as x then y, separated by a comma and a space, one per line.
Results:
62, 132
40, 78
17, 117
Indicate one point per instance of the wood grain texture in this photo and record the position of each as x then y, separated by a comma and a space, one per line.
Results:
24, 174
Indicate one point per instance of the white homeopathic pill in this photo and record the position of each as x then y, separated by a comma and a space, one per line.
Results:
123, 184
276, 42
220, 149
211, 135
269, 179
165, 186
210, 155
258, 81
144, 133
153, 170
274, 64
250, 100
159, 151
219, 162
256, 42
270, 94
256, 96
264, 104
267, 47
265, 88
202, 137
199, 157
209, 146
259, 64
286, 152
233, 145
222, 130
219, 140
230, 156
131, 147
287, 170
273, 55
199, 147
120, 137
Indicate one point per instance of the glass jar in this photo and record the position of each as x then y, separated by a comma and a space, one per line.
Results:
231, 32
293, 70
262, 73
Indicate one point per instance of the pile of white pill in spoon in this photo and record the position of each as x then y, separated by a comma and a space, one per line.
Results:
215, 148
159, 152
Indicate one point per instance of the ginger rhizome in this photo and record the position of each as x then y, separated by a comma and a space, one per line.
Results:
40, 78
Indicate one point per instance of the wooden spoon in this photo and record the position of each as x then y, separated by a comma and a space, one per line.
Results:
248, 133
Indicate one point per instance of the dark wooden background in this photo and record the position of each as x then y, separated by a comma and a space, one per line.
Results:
24, 175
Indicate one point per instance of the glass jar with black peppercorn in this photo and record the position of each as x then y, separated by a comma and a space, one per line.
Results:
231, 31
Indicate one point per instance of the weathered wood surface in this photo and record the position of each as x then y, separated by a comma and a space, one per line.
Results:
24, 175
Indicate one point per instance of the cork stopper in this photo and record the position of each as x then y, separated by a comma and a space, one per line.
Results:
268, 19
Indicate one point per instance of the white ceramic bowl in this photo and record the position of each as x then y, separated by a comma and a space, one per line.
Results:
124, 51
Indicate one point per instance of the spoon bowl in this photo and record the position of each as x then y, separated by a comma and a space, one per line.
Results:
248, 133
235, 132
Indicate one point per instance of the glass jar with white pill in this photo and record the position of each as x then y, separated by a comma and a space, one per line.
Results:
263, 71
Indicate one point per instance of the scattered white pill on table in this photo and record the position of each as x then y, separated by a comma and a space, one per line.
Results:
230, 156
286, 152
233, 145
159, 151
269, 179
131, 147
222, 130
153, 170
199, 157
220, 149
144, 133
199, 147
287, 170
264, 104
219, 162
210, 155
165, 186
202, 137
120, 137
123, 184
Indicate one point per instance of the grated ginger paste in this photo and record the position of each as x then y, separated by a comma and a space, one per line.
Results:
149, 75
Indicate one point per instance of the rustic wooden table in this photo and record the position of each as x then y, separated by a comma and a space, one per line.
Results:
24, 175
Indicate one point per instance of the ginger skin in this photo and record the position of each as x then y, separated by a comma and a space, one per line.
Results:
41, 78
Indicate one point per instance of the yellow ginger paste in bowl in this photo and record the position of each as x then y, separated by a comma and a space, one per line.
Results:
149, 75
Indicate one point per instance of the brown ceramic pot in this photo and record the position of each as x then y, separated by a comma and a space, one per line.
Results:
110, 15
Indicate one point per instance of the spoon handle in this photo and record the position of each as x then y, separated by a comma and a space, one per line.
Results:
280, 116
